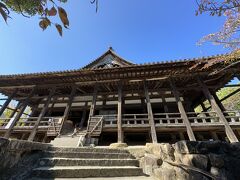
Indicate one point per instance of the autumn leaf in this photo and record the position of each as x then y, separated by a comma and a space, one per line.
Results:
52, 11
44, 23
63, 16
59, 29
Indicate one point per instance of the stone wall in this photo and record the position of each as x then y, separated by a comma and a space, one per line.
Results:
14, 151
189, 160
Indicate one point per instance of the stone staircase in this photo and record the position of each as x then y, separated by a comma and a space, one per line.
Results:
68, 140
86, 162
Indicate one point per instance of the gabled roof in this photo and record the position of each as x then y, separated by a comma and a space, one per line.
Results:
108, 60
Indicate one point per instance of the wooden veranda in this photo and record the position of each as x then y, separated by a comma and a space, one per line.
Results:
114, 96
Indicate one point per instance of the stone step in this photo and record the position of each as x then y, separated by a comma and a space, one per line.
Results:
87, 149
87, 162
65, 141
86, 171
101, 178
90, 155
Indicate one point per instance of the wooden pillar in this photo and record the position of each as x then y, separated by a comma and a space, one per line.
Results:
41, 115
24, 136
165, 105
6, 103
229, 132
214, 135
181, 134
119, 115
19, 114
83, 115
182, 111
52, 106
150, 115
94, 100
45, 138
68, 107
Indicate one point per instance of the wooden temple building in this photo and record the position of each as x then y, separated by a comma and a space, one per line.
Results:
114, 100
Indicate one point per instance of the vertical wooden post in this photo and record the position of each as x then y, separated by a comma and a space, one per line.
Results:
214, 135
182, 111
165, 105
92, 108
181, 134
19, 114
229, 132
150, 114
119, 116
42, 114
83, 115
6, 103
68, 107
45, 138
52, 106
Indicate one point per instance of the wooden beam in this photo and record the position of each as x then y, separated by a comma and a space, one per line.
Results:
219, 103
229, 132
16, 110
150, 114
94, 99
6, 103
203, 106
42, 114
231, 94
68, 107
238, 76
119, 116
182, 111
19, 114
232, 85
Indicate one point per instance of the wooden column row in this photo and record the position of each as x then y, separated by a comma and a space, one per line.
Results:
93, 105
42, 114
150, 115
19, 114
182, 111
68, 107
230, 134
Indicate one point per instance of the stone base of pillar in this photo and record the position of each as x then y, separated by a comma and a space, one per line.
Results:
118, 145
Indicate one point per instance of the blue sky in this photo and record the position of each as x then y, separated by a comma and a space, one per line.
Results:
140, 31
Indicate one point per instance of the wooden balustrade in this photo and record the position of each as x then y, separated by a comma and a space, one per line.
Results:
52, 125
168, 119
135, 119
29, 122
203, 117
232, 116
